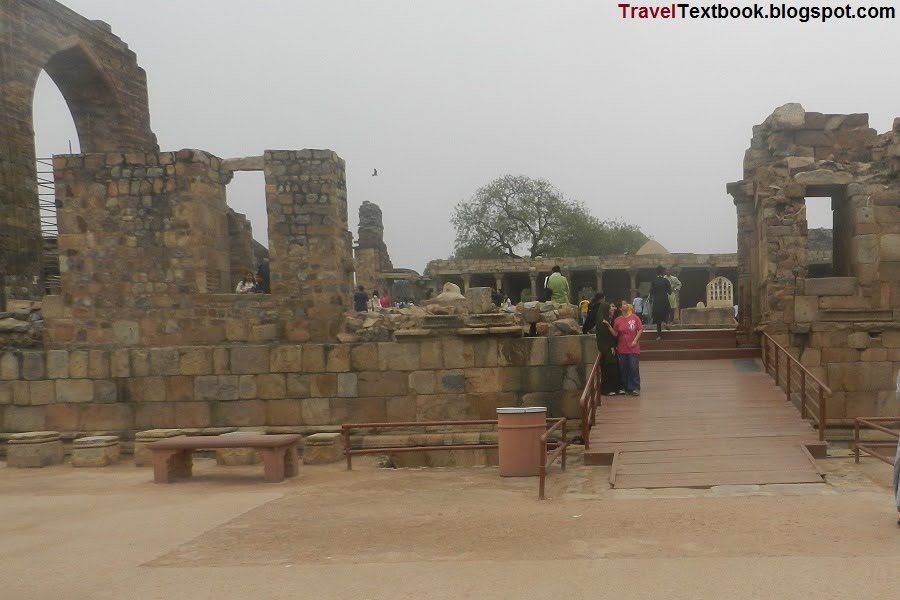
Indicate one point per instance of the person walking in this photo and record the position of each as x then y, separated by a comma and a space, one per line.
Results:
628, 329
360, 300
659, 297
610, 383
558, 286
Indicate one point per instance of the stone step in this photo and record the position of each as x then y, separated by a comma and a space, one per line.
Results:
701, 354
649, 342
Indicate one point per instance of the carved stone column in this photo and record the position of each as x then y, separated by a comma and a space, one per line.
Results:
532, 275
466, 280
632, 275
599, 275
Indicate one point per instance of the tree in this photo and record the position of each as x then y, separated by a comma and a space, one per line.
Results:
516, 216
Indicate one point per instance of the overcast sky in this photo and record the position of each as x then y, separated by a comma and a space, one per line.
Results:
643, 121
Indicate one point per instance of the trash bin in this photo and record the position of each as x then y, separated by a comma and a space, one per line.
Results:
519, 432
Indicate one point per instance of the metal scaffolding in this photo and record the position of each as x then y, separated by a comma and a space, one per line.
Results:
49, 228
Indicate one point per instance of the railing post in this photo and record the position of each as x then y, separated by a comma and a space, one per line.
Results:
777, 373
789, 365
542, 470
856, 439
821, 414
347, 448
803, 393
565, 442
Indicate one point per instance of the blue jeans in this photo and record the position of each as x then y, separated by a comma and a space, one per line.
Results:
630, 372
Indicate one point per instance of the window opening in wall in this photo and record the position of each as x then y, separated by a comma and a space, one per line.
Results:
248, 230
829, 227
55, 133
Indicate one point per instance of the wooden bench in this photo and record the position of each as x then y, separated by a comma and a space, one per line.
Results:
172, 457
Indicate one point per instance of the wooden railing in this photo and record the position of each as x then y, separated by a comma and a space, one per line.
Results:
792, 377
589, 401
871, 447
559, 452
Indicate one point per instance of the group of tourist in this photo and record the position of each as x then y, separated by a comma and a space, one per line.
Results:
255, 283
362, 302
619, 329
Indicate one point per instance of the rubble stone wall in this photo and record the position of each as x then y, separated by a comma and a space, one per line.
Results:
845, 329
104, 88
309, 245
371, 253
308, 387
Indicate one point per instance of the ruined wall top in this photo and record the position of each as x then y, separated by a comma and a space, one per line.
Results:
371, 227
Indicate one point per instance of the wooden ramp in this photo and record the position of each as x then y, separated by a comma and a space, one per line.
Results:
701, 424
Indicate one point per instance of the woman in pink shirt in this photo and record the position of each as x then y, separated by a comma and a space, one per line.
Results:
628, 330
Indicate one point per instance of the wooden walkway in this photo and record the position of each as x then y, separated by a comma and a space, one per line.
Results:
702, 424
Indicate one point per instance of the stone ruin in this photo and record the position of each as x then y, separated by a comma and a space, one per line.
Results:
146, 332
842, 323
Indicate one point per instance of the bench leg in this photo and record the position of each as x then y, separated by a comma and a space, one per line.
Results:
291, 461
169, 465
273, 462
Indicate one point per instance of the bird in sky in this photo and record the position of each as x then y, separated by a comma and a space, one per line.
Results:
374, 172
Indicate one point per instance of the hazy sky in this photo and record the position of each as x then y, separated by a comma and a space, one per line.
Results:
641, 120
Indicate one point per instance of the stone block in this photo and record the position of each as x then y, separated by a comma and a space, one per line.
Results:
143, 457
74, 390
9, 366
95, 451
192, 414
708, 316
450, 381
830, 286
107, 417
33, 366
444, 407
41, 392
247, 386
179, 388
232, 457
216, 387
34, 449
250, 360
347, 385
458, 354
486, 353
393, 356
297, 385
400, 408
286, 359
316, 411
284, 412
323, 385
271, 386
484, 380
806, 309
140, 362
165, 361
431, 354
864, 249
25, 418
860, 376
337, 358
382, 383
57, 364
364, 357
314, 358
565, 350
63, 417
120, 363
195, 361
889, 247
239, 413
858, 340
422, 382
323, 448
145, 389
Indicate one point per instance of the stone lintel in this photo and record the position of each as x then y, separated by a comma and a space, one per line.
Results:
830, 286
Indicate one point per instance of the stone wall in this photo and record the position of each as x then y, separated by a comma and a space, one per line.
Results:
104, 88
844, 328
371, 253
309, 245
308, 387
241, 248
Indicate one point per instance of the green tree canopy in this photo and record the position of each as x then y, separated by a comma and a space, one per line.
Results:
517, 216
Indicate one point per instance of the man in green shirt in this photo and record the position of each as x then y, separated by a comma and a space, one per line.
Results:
558, 285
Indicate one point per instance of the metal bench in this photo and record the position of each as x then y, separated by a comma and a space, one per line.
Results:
172, 457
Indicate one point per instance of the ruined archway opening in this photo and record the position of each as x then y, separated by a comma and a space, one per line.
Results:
54, 133
829, 229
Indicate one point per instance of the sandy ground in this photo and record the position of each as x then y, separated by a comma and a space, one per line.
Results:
440, 533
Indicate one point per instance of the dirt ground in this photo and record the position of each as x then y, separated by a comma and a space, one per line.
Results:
440, 533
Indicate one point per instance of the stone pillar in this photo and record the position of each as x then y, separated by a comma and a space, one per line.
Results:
632, 275
532, 275
498, 281
599, 275
567, 273
712, 272
466, 278
310, 255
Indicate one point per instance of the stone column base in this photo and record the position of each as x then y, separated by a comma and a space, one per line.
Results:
34, 449
322, 448
143, 457
95, 451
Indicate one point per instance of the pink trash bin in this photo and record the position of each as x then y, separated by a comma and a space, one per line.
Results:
519, 432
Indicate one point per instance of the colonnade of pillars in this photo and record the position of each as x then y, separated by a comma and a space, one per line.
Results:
536, 280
